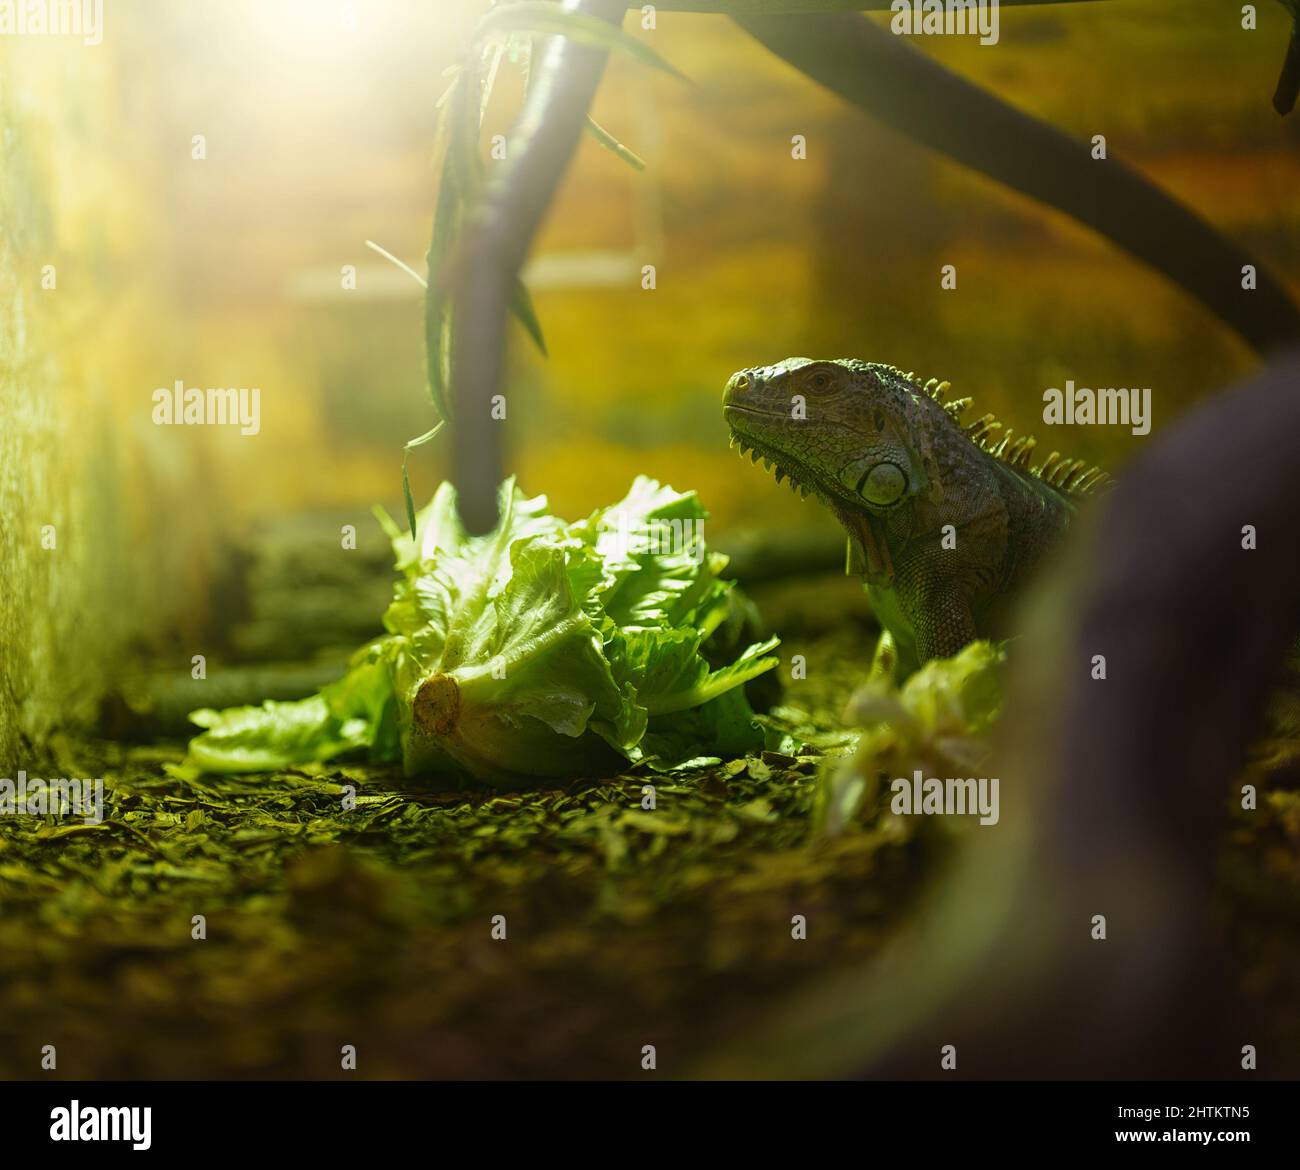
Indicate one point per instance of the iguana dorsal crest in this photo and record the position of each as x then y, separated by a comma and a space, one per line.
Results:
1074, 477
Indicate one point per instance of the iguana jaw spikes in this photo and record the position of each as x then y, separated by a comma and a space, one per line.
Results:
803, 482
860, 524
832, 489
780, 465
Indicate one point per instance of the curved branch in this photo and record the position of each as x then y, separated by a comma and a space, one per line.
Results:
494, 242
1114, 793
1139, 763
1145, 757
1288, 81
869, 67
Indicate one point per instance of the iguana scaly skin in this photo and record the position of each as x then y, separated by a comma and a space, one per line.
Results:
894, 463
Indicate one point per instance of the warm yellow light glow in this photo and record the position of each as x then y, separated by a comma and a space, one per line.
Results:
333, 30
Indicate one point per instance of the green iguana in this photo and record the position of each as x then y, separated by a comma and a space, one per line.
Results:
945, 521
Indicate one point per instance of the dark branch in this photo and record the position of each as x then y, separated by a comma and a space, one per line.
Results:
1136, 768
1288, 83
1114, 794
498, 231
868, 66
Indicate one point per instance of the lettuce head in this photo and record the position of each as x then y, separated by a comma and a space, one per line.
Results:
541, 650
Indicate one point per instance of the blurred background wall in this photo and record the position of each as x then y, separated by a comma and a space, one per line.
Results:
317, 122
106, 552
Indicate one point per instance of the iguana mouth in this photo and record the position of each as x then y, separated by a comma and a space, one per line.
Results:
779, 463
860, 523
803, 481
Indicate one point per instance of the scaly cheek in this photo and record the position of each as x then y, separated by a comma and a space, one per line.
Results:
853, 472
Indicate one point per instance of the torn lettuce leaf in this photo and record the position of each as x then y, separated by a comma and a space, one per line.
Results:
542, 649
940, 720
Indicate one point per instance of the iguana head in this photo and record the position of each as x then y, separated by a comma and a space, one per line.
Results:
852, 432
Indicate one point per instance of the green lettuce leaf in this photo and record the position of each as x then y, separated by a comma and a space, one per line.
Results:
542, 649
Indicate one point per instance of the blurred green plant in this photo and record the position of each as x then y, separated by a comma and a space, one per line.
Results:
939, 720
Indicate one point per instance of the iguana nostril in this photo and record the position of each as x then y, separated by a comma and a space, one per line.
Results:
739, 383
883, 484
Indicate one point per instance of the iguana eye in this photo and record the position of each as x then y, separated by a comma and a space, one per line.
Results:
820, 380
883, 484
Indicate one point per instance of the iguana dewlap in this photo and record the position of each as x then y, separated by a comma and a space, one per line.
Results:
945, 521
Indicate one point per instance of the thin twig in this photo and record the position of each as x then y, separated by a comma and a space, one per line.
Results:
402, 264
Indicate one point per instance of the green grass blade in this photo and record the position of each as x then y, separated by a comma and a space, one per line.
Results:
406, 495
406, 478
521, 305
610, 143
402, 264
